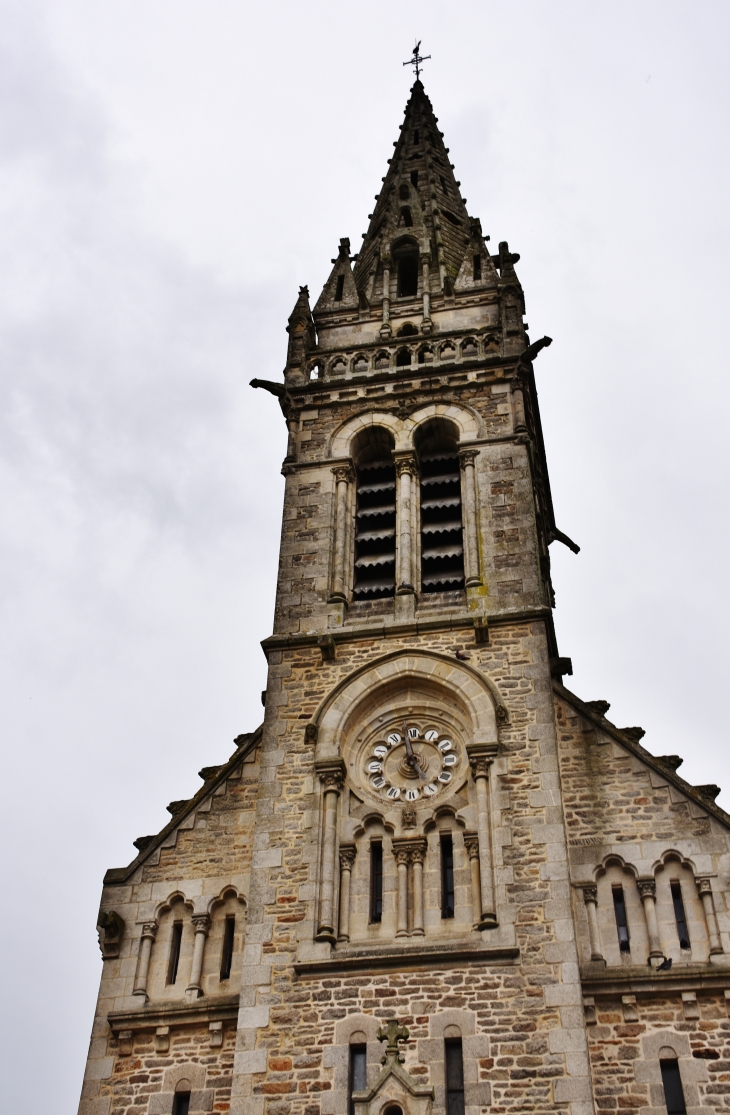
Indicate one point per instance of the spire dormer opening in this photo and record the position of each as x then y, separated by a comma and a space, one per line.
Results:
405, 258
339, 288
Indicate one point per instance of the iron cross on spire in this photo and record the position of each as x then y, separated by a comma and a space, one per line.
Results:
417, 58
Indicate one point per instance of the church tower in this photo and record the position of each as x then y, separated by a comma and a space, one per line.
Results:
434, 881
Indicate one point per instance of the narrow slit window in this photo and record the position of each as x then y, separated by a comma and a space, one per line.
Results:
358, 1073
227, 953
672, 1081
175, 943
376, 882
416, 136
340, 287
407, 216
477, 268
679, 914
444, 184
622, 925
447, 877
181, 1103
454, 1058
414, 178
408, 274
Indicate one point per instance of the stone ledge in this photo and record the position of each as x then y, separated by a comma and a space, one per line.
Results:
224, 1008
600, 980
378, 960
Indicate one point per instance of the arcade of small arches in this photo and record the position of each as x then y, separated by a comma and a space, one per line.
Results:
408, 354
406, 506
663, 917
186, 951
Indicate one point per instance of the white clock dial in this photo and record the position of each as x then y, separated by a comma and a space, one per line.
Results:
410, 765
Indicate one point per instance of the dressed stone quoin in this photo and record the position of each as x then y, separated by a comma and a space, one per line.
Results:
434, 881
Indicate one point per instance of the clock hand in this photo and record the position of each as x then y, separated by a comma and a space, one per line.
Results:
411, 757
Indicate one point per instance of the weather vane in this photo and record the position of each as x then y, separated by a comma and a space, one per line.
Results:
416, 60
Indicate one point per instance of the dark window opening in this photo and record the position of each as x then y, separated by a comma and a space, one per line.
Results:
414, 178
447, 877
403, 358
227, 953
375, 516
376, 882
425, 356
175, 942
442, 544
415, 136
340, 288
454, 1059
679, 914
403, 192
444, 184
408, 276
407, 216
358, 1073
181, 1103
477, 268
622, 926
407, 330
672, 1081
450, 217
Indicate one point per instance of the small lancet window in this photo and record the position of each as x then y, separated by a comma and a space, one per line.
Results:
442, 544
358, 1073
477, 269
679, 915
416, 136
414, 178
447, 877
406, 216
672, 1081
622, 925
376, 882
181, 1103
408, 276
175, 942
229, 932
403, 358
444, 184
339, 288
454, 1058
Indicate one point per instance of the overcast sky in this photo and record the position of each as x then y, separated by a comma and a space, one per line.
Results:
170, 172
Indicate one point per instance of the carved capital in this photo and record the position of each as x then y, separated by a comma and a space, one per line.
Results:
402, 856
347, 856
345, 473
201, 923
331, 773
405, 463
149, 929
590, 894
704, 886
418, 855
481, 756
467, 457
471, 843
646, 888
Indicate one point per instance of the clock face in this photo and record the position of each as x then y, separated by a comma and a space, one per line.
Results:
408, 770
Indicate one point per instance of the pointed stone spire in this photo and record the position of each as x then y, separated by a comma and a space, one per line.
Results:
339, 292
302, 336
420, 201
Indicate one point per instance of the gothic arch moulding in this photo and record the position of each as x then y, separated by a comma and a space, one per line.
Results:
402, 680
340, 444
466, 420
229, 891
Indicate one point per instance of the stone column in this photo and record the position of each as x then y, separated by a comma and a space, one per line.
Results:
704, 886
405, 469
426, 324
344, 475
647, 891
480, 758
385, 330
347, 859
467, 458
149, 932
590, 897
401, 859
201, 925
471, 843
417, 857
332, 774
518, 406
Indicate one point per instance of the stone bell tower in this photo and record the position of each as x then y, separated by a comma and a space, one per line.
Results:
429, 843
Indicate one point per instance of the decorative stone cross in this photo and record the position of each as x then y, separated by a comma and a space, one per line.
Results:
392, 1032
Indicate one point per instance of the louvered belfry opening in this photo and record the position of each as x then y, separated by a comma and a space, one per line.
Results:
375, 515
442, 544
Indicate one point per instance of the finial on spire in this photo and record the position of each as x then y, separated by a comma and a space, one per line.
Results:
416, 60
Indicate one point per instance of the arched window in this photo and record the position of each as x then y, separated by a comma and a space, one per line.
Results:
407, 330
403, 358
375, 515
406, 216
405, 257
442, 546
